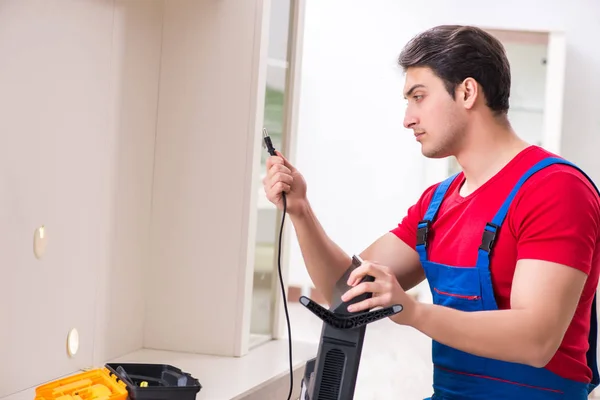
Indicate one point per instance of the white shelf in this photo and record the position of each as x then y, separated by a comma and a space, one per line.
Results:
225, 378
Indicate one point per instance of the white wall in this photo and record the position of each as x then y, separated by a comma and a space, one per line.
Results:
131, 131
136, 45
352, 91
206, 162
78, 98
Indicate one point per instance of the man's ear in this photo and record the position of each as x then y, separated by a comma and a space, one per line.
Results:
468, 93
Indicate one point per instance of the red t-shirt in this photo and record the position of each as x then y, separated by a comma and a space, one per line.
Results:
555, 216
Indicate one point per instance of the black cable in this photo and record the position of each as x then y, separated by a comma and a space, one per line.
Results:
271, 150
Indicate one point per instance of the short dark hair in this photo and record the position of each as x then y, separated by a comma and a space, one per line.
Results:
456, 52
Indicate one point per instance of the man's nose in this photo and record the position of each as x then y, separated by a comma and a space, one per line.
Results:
409, 120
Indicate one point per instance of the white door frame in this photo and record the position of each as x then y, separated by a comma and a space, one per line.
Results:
289, 140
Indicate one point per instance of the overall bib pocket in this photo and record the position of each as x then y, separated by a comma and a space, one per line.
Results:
457, 299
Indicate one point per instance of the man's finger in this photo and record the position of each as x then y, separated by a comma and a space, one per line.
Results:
285, 161
367, 268
365, 305
277, 169
365, 287
273, 160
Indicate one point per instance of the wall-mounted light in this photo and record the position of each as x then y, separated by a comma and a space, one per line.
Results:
73, 342
40, 241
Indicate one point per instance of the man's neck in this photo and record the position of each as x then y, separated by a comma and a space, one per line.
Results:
486, 153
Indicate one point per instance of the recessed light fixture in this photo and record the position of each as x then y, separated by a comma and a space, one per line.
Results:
40, 241
73, 342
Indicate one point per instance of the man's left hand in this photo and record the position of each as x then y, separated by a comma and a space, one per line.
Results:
386, 292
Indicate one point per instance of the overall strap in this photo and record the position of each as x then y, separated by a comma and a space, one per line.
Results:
432, 210
489, 236
592, 355
501, 214
492, 229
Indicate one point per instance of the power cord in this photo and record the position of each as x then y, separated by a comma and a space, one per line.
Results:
271, 149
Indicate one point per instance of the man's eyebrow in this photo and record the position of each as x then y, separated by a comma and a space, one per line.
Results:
412, 89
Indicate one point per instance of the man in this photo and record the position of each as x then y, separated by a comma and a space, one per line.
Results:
509, 246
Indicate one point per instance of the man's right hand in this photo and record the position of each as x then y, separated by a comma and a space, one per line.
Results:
283, 177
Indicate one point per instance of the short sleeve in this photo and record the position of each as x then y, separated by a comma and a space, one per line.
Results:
407, 228
557, 219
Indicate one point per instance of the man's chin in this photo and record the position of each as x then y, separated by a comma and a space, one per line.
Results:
433, 154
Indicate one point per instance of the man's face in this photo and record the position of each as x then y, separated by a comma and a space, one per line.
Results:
437, 121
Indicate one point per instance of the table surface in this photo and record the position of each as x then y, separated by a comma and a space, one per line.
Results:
222, 378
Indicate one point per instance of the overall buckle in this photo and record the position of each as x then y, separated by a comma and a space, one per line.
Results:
489, 236
423, 232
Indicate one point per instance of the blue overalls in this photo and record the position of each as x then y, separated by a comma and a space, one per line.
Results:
461, 376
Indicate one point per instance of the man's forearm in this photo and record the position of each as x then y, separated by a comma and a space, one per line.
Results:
325, 261
508, 335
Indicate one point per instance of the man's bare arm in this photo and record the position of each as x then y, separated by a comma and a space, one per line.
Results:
326, 262
399, 257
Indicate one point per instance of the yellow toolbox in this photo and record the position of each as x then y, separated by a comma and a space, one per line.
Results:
124, 382
99, 384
